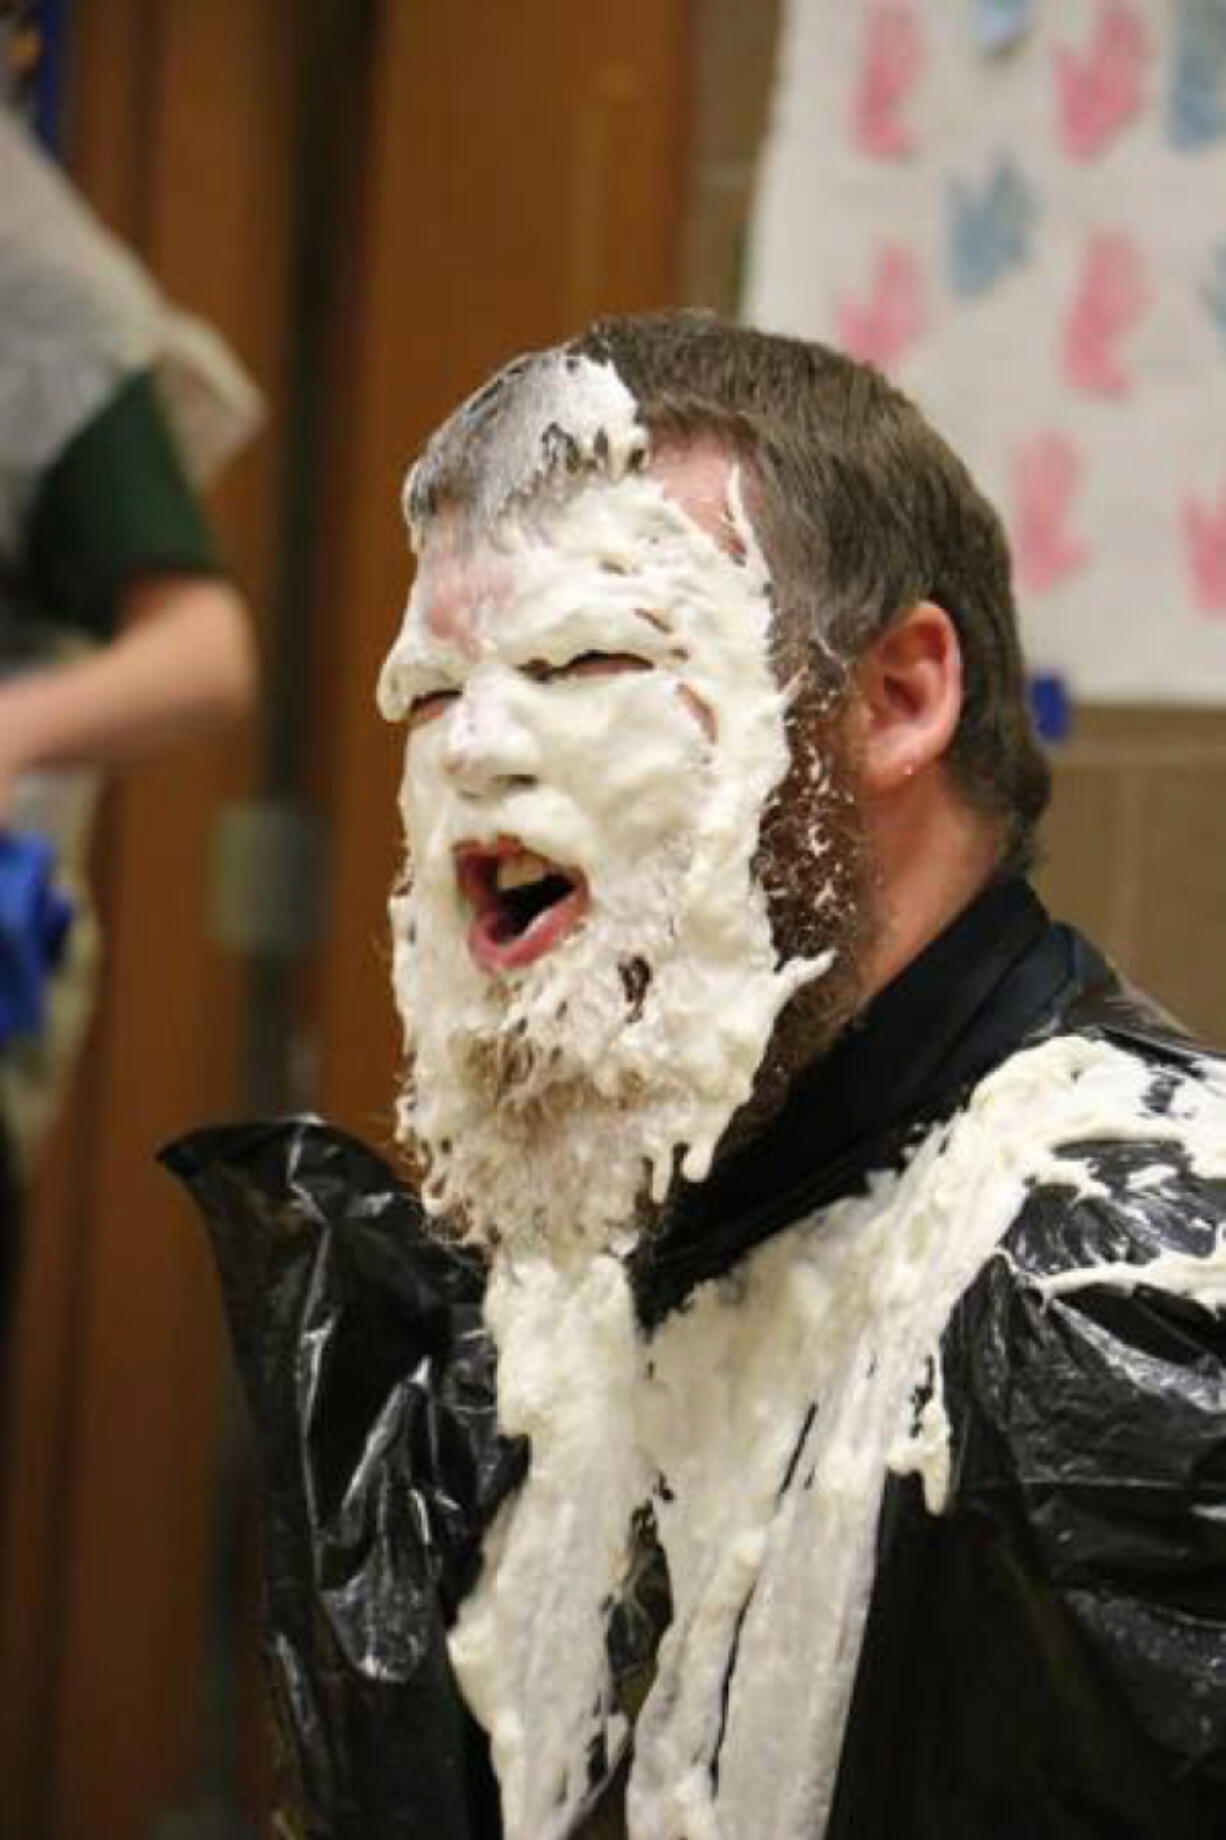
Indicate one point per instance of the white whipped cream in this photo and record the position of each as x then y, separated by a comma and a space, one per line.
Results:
559, 396
651, 784
772, 1408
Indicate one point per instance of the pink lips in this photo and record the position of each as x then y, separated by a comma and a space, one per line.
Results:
512, 927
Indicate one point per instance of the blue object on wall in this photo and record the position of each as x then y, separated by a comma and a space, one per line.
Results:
1196, 98
1213, 293
50, 18
999, 25
32, 66
990, 227
1051, 706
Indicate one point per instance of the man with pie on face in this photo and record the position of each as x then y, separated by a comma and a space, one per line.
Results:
787, 1399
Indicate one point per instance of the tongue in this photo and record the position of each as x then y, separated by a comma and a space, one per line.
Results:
519, 907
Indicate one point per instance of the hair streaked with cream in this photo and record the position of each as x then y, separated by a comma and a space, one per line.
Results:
861, 507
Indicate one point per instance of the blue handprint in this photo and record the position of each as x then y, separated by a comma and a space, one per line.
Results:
999, 25
989, 230
1213, 293
1196, 99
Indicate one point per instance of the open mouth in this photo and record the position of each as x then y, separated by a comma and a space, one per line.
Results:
523, 905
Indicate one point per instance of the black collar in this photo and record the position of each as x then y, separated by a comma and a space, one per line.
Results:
995, 976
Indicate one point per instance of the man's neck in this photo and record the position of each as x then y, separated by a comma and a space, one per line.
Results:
934, 855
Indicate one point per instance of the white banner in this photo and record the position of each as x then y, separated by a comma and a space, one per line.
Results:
1018, 210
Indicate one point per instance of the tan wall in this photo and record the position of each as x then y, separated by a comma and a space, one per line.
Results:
734, 62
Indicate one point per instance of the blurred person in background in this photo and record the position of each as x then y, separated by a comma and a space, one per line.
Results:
120, 635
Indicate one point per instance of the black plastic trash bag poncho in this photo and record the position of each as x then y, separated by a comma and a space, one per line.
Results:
1045, 1660
370, 1380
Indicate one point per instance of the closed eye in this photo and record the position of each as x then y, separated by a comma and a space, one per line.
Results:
588, 664
424, 708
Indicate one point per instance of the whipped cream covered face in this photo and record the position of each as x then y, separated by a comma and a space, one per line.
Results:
583, 959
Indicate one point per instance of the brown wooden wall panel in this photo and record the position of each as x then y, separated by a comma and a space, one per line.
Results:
528, 169
180, 136
1133, 850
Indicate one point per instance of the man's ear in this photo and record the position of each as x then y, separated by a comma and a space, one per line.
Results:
908, 696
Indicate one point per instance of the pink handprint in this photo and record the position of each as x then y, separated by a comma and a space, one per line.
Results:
1046, 474
1101, 89
893, 56
879, 328
1111, 297
1204, 527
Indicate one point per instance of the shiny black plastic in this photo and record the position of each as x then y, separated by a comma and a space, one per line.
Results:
370, 1379
1045, 1660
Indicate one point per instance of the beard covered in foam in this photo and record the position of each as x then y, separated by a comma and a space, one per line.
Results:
815, 866
558, 1104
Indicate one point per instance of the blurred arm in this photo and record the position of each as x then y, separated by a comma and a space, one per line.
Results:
182, 661
118, 548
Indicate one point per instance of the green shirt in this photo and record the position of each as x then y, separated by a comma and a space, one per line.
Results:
114, 505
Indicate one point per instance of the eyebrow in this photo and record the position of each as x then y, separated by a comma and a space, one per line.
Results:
660, 621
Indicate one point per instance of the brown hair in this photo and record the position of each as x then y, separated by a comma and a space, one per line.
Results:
861, 507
